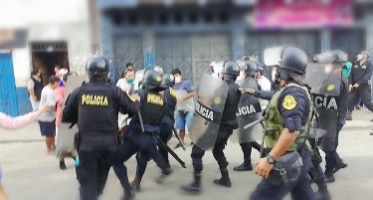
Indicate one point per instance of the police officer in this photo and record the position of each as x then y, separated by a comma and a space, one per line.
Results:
249, 82
359, 83
98, 135
335, 115
228, 122
286, 120
165, 134
135, 139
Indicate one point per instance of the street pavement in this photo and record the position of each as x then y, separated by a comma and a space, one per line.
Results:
30, 174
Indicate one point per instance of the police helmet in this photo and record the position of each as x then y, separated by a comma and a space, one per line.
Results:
152, 80
332, 57
251, 68
168, 80
294, 60
159, 70
97, 67
231, 70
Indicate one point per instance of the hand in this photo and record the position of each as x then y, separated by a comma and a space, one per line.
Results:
43, 108
248, 90
263, 168
180, 100
349, 88
35, 98
136, 97
356, 85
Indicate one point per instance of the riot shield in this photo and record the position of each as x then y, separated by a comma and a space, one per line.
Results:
249, 110
210, 102
325, 89
139, 76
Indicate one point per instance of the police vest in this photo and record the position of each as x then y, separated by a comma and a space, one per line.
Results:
274, 121
231, 105
152, 109
38, 87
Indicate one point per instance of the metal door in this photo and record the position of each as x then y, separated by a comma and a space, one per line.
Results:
128, 49
351, 41
8, 94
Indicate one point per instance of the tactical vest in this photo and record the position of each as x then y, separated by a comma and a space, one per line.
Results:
274, 121
152, 109
229, 117
38, 87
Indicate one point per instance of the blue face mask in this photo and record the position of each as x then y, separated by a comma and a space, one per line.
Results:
346, 70
130, 81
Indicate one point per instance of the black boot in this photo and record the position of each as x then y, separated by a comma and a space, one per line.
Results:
165, 173
194, 187
246, 166
224, 180
135, 185
329, 176
322, 193
339, 165
129, 195
62, 165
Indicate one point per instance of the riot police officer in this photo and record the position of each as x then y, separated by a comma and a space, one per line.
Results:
228, 122
136, 140
98, 135
331, 102
286, 120
248, 110
165, 134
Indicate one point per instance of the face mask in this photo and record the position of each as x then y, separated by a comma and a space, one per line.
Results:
346, 70
177, 79
130, 81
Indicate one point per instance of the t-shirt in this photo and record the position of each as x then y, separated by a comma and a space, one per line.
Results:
48, 96
182, 89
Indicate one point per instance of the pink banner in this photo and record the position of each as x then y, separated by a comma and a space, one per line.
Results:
303, 13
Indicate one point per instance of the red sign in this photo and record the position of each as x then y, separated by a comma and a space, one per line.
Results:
303, 13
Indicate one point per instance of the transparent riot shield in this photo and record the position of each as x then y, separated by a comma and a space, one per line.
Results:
210, 102
249, 110
325, 82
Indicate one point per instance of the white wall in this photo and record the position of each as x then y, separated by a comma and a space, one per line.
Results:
48, 20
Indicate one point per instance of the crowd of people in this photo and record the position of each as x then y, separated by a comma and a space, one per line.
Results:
147, 106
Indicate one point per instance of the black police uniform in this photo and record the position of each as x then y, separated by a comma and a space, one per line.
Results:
165, 134
95, 107
135, 141
228, 123
360, 74
248, 146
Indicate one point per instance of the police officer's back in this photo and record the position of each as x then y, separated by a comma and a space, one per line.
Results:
94, 107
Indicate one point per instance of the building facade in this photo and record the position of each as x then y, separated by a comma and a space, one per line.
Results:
191, 34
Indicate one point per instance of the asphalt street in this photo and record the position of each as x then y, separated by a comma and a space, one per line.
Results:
30, 174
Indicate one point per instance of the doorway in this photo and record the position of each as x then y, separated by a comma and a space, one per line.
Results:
47, 55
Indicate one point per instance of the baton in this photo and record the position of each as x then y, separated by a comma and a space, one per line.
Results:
178, 138
141, 122
173, 154
260, 120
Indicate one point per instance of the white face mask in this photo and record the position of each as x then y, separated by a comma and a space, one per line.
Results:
177, 79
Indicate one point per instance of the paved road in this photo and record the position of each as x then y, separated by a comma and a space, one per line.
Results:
31, 174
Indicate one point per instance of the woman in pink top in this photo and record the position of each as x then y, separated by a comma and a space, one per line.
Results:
10, 123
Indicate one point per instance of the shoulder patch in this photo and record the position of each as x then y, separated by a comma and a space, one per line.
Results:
289, 102
172, 92
364, 67
330, 87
